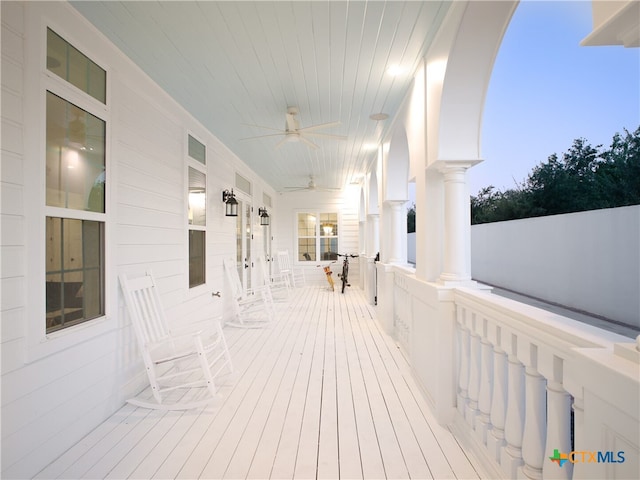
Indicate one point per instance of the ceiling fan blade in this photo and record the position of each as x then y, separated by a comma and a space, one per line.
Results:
263, 127
318, 126
325, 135
309, 142
282, 142
263, 136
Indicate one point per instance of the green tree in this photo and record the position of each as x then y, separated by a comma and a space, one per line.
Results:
411, 219
583, 178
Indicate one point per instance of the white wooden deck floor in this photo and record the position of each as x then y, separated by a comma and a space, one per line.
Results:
322, 393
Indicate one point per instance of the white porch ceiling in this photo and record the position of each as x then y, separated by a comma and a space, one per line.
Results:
238, 63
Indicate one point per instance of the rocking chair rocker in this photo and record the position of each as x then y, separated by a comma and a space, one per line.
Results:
188, 362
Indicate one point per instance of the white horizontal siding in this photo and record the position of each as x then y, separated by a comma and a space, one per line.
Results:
53, 400
12, 277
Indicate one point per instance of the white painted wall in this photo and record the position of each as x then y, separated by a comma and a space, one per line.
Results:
345, 203
588, 260
56, 388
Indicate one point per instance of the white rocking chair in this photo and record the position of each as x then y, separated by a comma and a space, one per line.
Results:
252, 308
189, 362
295, 276
278, 282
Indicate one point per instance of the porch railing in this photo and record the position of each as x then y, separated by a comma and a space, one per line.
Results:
537, 395
525, 383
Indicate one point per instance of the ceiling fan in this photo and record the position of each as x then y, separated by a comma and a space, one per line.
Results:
311, 186
293, 133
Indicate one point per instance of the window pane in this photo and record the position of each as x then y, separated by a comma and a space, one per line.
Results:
243, 184
307, 250
329, 248
74, 271
72, 65
75, 157
328, 224
197, 150
306, 225
197, 197
196, 258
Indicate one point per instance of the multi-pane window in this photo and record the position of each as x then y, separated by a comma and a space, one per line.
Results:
72, 65
75, 179
317, 236
328, 236
197, 214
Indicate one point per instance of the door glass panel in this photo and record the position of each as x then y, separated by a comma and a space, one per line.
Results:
239, 242
248, 232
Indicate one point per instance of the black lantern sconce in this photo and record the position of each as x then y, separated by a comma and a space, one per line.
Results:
264, 217
231, 204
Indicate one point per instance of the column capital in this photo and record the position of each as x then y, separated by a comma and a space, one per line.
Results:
395, 202
443, 165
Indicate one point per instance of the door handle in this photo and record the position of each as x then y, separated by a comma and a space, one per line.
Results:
246, 265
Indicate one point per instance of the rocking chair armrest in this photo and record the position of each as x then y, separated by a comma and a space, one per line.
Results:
172, 338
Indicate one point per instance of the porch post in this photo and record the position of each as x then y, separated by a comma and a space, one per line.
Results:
373, 247
457, 216
395, 235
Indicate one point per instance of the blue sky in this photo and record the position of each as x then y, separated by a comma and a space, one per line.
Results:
546, 90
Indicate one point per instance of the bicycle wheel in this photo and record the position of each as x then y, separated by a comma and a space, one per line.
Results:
345, 274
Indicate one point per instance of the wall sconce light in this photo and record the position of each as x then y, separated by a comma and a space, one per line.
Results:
231, 204
264, 217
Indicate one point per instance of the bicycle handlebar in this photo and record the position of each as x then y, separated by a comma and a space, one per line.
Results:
346, 255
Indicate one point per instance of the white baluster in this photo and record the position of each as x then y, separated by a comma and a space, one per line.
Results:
511, 455
463, 373
580, 468
483, 422
474, 378
535, 424
558, 430
495, 440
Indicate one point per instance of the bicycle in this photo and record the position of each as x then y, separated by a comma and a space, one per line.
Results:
344, 276
329, 274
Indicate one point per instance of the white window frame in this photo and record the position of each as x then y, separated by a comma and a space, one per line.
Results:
39, 80
191, 162
317, 213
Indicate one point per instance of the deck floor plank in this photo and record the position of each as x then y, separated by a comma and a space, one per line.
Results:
322, 393
262, 457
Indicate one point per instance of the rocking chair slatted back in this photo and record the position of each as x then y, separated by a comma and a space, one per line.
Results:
190, 361
144, 304
295, 275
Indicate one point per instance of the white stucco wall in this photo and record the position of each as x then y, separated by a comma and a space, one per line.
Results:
588, 260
